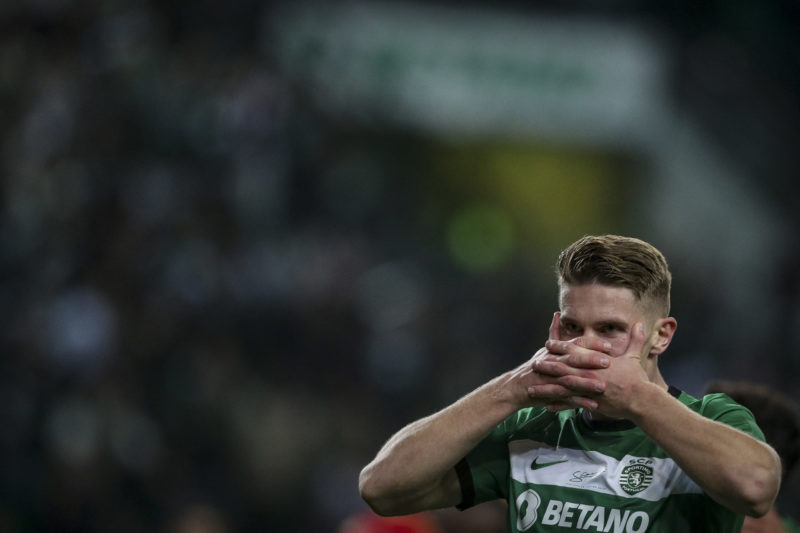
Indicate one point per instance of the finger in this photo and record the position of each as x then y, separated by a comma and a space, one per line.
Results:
586, 403
540, 353
579, 357
637, 341
588, 360
583, 384
571, 403
558, 406
593, 343
559, 397
576, 380
549, 392
586, 343
558, 347
552, 367
555, 326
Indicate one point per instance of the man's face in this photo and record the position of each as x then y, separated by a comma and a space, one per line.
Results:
603, 311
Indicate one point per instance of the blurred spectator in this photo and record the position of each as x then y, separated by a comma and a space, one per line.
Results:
200, 519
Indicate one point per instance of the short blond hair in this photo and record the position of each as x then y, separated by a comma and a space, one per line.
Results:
619, 262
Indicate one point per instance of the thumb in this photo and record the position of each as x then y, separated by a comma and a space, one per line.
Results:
637, 341
555, 327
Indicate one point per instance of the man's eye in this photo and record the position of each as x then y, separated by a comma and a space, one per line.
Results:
571, 328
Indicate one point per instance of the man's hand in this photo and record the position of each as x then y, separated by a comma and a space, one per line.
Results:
565, 379
622, 374
625, 372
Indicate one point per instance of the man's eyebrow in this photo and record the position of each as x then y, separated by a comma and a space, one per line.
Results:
613, 322
605, 322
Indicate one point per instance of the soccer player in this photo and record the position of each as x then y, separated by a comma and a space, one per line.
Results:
587, 435
778, 416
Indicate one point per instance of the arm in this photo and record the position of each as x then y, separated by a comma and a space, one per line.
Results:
732, 467
414, 470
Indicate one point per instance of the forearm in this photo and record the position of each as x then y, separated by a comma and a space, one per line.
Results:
732, 467
414, 469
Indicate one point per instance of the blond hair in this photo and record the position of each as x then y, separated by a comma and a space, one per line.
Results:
619, 262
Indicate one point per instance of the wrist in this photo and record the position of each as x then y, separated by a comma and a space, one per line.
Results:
505, 394
647, 398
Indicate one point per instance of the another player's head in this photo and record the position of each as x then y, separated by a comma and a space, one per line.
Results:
608, 283
776, 414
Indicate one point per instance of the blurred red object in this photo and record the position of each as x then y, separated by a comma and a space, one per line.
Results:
369, 522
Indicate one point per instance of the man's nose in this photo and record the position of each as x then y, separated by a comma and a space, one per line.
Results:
590, 334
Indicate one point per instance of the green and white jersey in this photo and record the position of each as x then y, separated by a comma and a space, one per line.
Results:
561, 472
791, 525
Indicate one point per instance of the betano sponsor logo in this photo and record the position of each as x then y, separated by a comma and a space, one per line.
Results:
578, 516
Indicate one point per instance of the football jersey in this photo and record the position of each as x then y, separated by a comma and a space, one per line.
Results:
564, 472
790, 525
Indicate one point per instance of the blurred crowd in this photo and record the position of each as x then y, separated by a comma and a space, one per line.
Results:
206, 293
217, 302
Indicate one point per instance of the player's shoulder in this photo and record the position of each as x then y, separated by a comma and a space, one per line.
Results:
722, 408
710, 404
720, 401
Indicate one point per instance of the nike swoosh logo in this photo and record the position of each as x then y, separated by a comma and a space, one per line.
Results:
537, 466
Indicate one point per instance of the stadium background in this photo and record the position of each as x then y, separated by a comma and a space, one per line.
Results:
243, 242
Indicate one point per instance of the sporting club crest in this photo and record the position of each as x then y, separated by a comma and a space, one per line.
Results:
635, 478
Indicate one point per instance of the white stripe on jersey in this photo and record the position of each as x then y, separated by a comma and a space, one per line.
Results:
594, 471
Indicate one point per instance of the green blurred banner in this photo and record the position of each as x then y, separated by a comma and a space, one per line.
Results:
457, 71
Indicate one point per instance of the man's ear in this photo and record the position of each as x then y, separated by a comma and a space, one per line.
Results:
662, 334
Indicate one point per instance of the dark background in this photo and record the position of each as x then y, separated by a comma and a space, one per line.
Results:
233, 263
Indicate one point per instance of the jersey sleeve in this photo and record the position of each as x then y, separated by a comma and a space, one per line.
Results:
483, 473
722, 408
